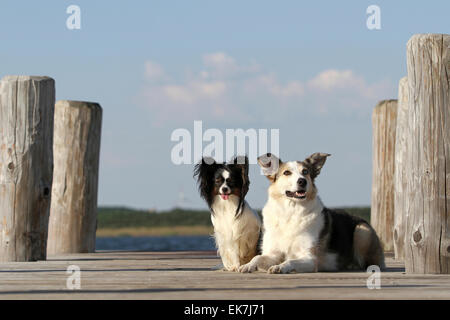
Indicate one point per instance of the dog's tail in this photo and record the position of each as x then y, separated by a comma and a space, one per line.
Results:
367, 247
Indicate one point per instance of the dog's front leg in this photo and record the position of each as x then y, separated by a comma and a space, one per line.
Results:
295, 265
230, 258
234, 266
261, 262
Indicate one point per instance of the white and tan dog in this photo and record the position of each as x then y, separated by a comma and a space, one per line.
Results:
300, 234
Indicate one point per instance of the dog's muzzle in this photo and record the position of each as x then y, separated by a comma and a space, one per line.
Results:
300, 194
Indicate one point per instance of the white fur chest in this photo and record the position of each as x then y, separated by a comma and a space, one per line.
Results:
236, 238
223, 219
291, 228
226, 226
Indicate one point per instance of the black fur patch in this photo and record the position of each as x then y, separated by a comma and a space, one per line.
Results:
204, 172
340, 237
239, 170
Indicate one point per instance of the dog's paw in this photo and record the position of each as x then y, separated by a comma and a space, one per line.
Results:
275, 269
234, 268
247, 268
279, 268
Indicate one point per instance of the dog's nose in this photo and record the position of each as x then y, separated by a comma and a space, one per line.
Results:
302, 182
225, 189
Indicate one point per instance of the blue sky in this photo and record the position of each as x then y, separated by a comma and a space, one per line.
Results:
310, 69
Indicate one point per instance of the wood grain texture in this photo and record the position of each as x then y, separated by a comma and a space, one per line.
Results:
189, 275
427, 246
383, 145
402, 142
26, 165
73, 214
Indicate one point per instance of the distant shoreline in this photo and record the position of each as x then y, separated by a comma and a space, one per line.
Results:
155, 231
118, 222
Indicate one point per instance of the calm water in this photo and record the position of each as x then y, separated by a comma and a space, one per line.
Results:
166, 243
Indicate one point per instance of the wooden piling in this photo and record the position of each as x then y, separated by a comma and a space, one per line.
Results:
402, 146
73, 214
26, 165
383, 145
427, 242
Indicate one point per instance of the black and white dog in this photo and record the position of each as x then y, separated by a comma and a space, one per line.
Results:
236, 226
300, 234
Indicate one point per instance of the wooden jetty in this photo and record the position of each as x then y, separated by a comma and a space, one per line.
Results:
410, 204
189, 275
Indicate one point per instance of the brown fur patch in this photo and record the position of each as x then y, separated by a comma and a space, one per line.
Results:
282, 167
367, 247
236, 192
215, 191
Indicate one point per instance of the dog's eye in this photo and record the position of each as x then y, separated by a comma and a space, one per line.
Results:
305, 172
287, 173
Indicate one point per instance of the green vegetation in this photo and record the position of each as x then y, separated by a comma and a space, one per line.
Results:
126, 218
362, 212
113, 221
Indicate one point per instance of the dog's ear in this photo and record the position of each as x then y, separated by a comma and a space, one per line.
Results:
204, 172
316, 162
269, 164
241, 163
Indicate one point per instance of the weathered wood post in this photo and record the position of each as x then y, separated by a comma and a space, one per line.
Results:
26, 166
427, 242
73, 214
383, 145
402, 142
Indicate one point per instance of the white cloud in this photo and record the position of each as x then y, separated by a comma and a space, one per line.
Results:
220, 64
336, 79
222, 86
178, 94
344, 90
209, 89
154, 71
346, 81
193, 92
270, 84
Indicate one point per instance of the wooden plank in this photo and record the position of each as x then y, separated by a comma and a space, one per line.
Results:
427, 247
188, 275
402, 141
73, 213
26, 162
383, 145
